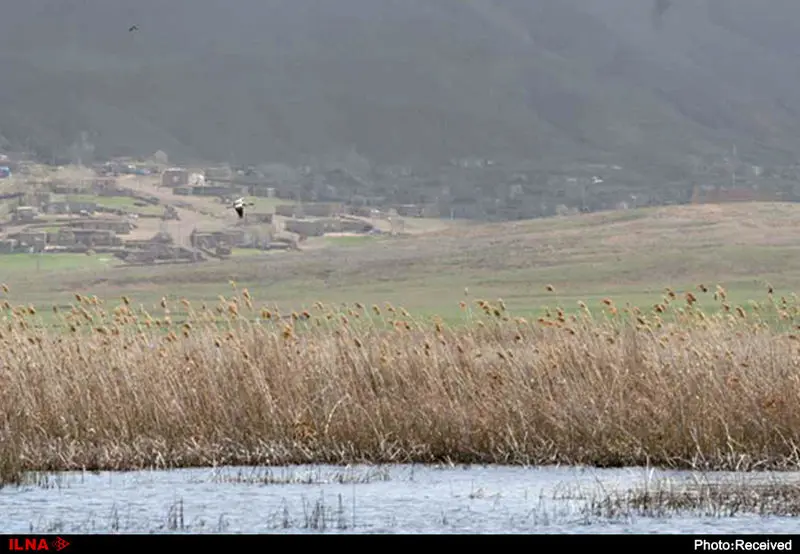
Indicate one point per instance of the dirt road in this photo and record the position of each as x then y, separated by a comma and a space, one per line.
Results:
195, 212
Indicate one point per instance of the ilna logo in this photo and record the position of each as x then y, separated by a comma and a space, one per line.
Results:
16, 544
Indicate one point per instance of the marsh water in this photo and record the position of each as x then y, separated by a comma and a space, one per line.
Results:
365, 499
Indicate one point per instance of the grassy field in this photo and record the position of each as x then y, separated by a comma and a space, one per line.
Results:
631, 256
532, 342
249, 252
267, 205
351, 240
22, 266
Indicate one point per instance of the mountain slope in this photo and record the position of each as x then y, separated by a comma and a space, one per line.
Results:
404, 81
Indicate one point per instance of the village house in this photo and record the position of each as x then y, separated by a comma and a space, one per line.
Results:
118, 226
305, 227
24, 214
89, 237
175, 177
347, 225
31, 239
63, 187
365, 211
99, 184
409, 210
104, 183
71, 207
210, 240
153, 252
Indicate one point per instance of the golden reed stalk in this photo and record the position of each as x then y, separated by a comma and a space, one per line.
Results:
120, 388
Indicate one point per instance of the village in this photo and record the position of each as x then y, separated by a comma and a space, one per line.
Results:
147, 211
168, 215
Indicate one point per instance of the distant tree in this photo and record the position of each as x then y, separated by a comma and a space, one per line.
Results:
161, 158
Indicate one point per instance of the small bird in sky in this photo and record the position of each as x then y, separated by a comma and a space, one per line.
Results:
133, 28
239, 206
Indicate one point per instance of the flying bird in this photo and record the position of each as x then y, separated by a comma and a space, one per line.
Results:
239, 206
133, 28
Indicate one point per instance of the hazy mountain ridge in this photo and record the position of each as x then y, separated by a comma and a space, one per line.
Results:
405, 81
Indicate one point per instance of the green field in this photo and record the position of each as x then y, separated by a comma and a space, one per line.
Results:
267, 205
351, 240
18, 268
252, 253
628, 256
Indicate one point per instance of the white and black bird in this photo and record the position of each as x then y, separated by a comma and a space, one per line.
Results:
133, 28
239, 206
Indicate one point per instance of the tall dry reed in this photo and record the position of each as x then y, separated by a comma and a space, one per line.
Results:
118, 387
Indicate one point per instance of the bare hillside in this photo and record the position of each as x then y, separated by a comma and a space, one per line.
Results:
411, 81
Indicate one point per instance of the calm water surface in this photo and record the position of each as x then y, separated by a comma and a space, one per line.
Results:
356, 499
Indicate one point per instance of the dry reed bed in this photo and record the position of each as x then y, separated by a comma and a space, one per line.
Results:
700, 499
121, 388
